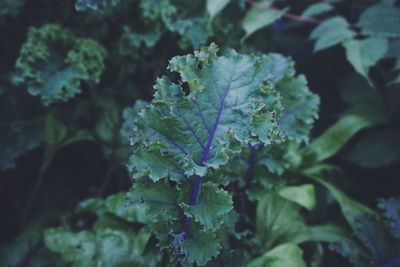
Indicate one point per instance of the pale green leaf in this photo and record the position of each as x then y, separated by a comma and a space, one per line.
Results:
259, 17
363, 54
317, 9
278, 220
303, 195
335, 137
288, 255
331, 32
215, 6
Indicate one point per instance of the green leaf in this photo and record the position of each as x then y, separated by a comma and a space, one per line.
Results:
335, 137
303, 195
53, 63
215, 6
288, 255
118, 204
200, 248
382, 19
317, 9
376, 149
363, 54
194, 128
259, 17
213, 204
331, 32
278, 221
300, 105
74, 247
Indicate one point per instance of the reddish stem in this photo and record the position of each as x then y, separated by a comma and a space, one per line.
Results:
289, 15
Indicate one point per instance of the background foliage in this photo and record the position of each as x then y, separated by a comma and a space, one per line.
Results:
314, 185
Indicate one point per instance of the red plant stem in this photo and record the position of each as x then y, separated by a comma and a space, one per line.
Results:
292, 16
287, 15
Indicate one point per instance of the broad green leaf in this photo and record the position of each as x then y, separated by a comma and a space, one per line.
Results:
363, 54
382, 19
278, 220
335, 137
288, 255
331, 32
303, 195
227, 94
376, 149
259, 17
215, 6
317, 9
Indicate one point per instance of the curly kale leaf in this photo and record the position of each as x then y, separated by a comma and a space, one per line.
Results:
187, 133
188, 19
53, 63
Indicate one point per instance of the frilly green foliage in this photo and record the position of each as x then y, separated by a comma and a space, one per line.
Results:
53, 63
185, 137
112, 240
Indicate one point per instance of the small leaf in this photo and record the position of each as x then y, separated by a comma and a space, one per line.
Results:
317, 9
215, 6
331, 32
363, 54
288, 255
259, 17
303, 195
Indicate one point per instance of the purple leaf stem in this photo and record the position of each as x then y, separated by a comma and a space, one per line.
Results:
197, 183
391, 263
